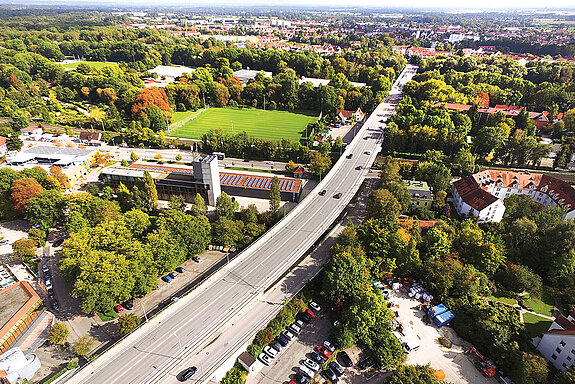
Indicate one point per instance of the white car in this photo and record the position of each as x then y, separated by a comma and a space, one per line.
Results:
288, 335
306, 371
315, 306
271, 352
265, 358
48, 284
311, 365
329, 346
295, 328
299, 323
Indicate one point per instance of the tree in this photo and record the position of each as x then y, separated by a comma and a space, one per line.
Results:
290, 166
319, 163
22, 191
413, 374
83, 345
46, 209
518, 278
38, 236
20, 119
569, 120
24, 249
177, 202
275, 196
344, 276
382, 204
58, 333
225, 206
150, 190
128, 323
125, 163
198, 206
133, 156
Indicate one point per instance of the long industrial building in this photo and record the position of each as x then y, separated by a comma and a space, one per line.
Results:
202, 177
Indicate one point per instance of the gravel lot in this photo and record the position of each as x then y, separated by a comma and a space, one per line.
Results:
456, 365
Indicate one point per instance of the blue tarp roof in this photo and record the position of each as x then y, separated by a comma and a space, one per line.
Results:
437, 310
444, 318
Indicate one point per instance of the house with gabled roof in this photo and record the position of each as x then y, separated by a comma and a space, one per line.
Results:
345, 116
557, 345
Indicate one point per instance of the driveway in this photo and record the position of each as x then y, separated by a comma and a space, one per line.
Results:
456, 365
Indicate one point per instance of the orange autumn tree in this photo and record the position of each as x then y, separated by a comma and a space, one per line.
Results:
59, 175
482, 99
148, 97
22, 191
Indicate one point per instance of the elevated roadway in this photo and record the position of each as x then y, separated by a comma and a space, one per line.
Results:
173, 340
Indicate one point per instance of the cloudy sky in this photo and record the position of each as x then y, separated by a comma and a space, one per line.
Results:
449, 4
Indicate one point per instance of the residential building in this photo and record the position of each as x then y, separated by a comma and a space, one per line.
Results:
31, 131
349, 116
481, 194
3, 146
557, 345
420, 192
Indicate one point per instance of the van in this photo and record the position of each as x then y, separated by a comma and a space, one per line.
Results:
411, 345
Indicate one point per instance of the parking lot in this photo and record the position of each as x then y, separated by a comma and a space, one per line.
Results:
453, 361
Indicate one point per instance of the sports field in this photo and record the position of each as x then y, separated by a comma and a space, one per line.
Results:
273, 125
93, 64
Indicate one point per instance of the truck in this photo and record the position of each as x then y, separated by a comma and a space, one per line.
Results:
487, 367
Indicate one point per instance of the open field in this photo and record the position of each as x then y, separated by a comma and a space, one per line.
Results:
273, 125
544, 305
93, 64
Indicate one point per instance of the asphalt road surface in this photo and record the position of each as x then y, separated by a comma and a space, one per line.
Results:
155, 353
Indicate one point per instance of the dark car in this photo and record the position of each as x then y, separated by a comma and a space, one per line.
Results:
55, 304
317, 357
337, 195
345, 359
128, 304
57, 242
277, 346
180, 270
173, 275
358, 168
336, 368
188, 373
323, 192
299, 378
349, 156
282, 340
304, 317
167, 278
197, 259
330, 375
51, 293
365, 363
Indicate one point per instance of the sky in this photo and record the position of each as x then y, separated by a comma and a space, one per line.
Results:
441, 4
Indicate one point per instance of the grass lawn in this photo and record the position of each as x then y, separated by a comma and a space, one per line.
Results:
273, 125
507, 300
108, 315
543, 305
535, 325
93, 64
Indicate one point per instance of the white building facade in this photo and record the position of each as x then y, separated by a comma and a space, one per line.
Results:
558, 344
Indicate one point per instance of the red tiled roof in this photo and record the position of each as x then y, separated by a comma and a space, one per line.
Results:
455, 107
472, 194
345, 114
298, 170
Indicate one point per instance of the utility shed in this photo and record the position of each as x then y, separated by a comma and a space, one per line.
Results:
443, 319
247, 361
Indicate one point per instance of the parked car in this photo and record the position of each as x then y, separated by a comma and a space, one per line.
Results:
167, 278
329, 346
2, 242
322, 192
310, 313
180, 270
324, 351
365, 363
118, 308
306, 371
315, 306
173, 275
55, 304
299, 323
329, 375
277, 346
57, 242
336, 368
299, 379
271, 352
345, 359
197, 259
128, 304
295, 328
304, 317
288, 335
45, 268
337, 195
282, 340
311, 365
188, 373
48, 283
51, 293
264, 358
317, 357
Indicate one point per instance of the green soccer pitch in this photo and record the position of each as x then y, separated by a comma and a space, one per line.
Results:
272, 125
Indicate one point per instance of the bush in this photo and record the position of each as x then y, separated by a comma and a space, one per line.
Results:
58, 333
236, 375
128, 323
72, 364
84, 345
